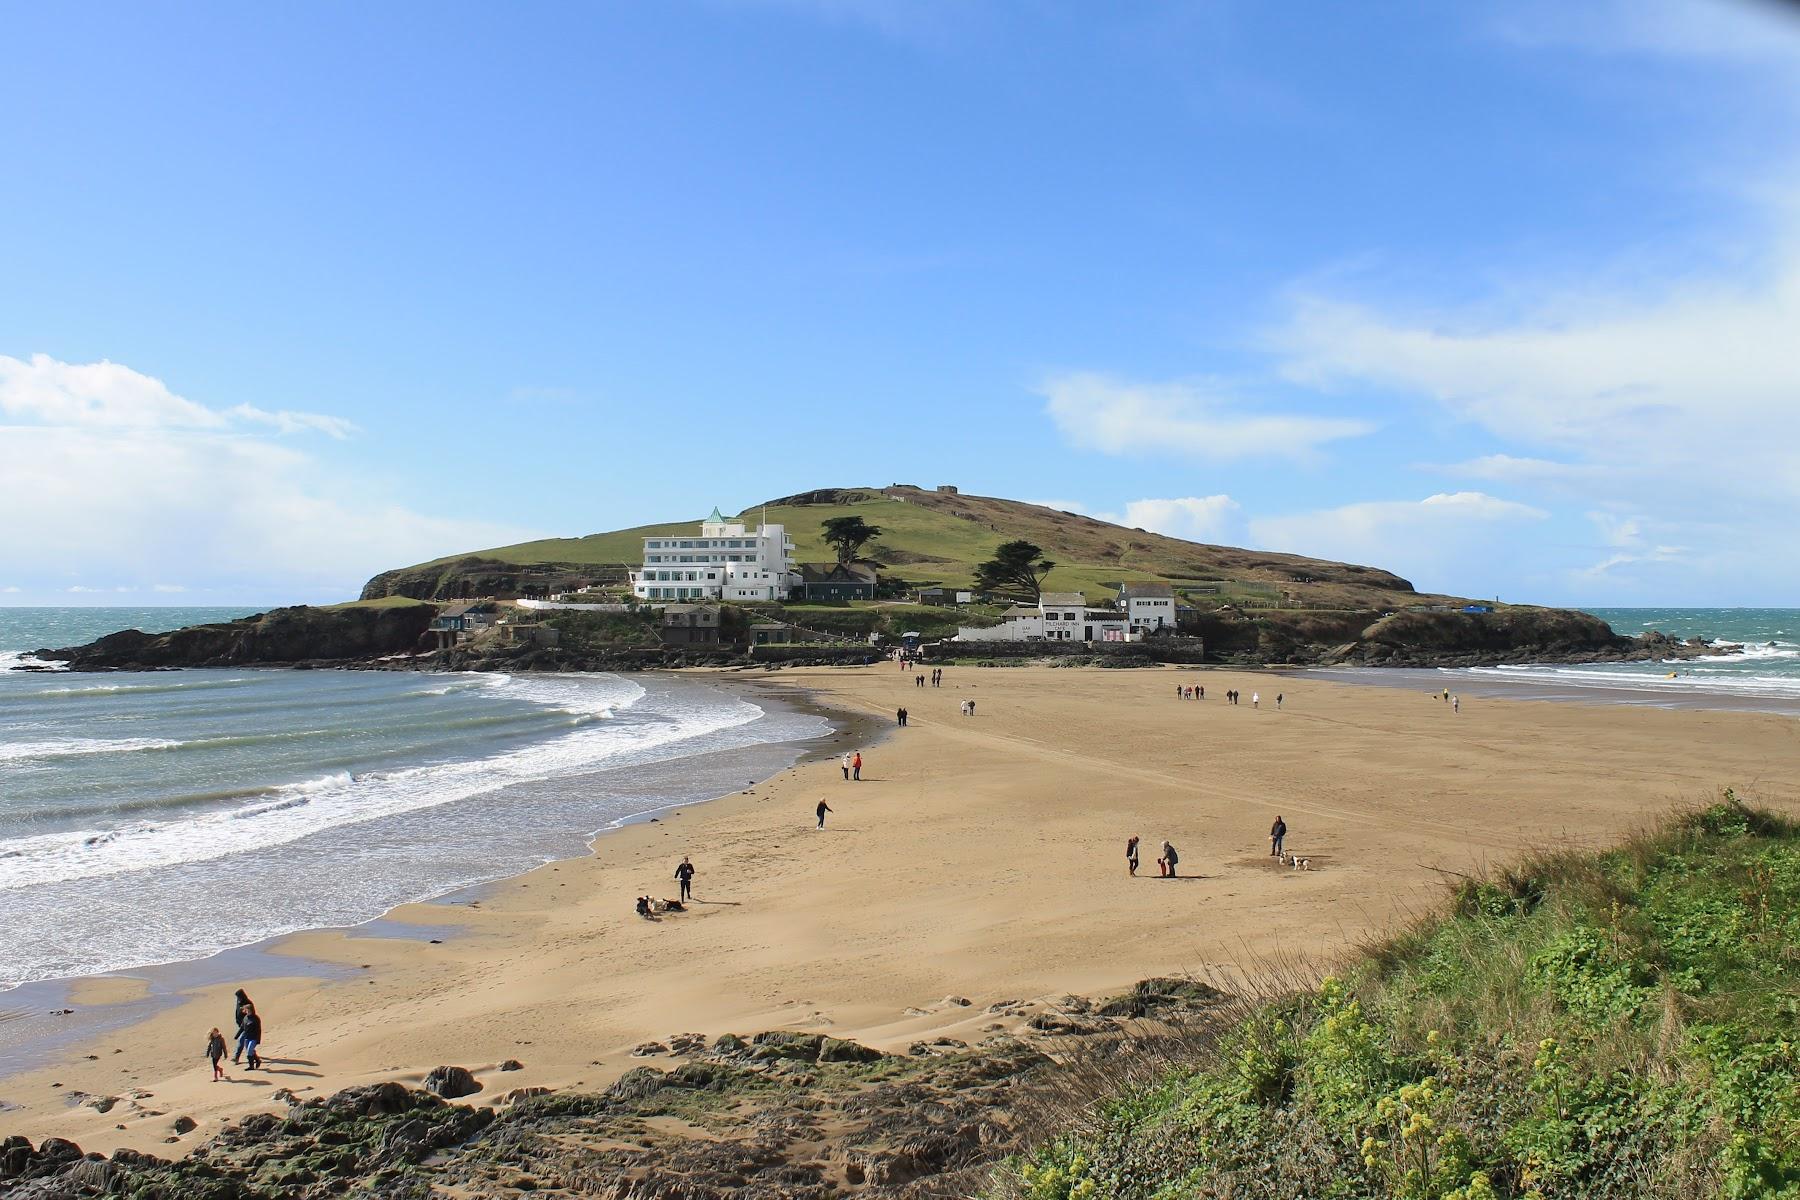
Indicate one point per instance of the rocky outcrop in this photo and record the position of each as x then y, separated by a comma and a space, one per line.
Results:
477, 576
1426, 637
281, 636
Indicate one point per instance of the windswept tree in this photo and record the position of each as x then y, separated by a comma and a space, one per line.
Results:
1015, 567
847, 535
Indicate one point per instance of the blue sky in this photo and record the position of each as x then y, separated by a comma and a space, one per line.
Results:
1504, 297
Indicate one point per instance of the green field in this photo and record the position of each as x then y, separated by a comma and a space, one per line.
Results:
1614, 1025
936, 539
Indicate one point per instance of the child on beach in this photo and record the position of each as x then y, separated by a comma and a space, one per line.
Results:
1131, 857
215, 1050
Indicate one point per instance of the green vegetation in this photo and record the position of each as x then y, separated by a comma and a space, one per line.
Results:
383, 602
1583, 1025
1017, 568
847, 535
603, 631
934, 539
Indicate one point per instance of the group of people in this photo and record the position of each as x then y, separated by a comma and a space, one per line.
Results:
1198, 692
649, 907
968, 708
1455, 702
852, 763
248, 1023
900, 715
1165, 864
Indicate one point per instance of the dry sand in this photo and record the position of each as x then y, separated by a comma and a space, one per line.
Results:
980, 858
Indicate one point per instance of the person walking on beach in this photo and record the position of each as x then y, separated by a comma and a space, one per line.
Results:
215, 1050
822, 810
856, 766
899, 716
844, 762
685, 874
1131, 856
1255, 699
1456, 704
1170, 858
239, 1008
250, 1036
1277, 835
1202, 690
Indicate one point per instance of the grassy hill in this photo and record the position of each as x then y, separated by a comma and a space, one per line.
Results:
1580, 1025
931, 538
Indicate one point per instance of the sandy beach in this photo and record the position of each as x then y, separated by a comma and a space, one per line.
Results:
980, 858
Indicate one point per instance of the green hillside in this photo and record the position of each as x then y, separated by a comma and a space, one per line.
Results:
1615, 1025
936, 538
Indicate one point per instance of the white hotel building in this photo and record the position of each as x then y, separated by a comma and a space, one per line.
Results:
726, 562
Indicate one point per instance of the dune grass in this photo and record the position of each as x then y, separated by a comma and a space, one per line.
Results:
1618, 1024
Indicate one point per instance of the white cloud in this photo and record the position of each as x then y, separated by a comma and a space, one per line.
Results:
106, 394
295, 422
1678, 404
129, 482
1113, 416
1195, 518
1441, 542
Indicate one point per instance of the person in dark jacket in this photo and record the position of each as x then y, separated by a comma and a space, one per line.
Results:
1277, 832
685, 873
250, 1035
822, 810
215, 1050
238, 1009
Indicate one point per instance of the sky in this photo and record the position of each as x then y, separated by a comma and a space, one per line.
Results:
1504, 297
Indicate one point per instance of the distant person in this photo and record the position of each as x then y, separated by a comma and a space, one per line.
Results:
1255, 699
1178, 691
844, 762
1169, 858
215, 1050
971, 708
822, 810
1456, 704
1278, 699
1202, 690
1277, 835
1446, 695
685, 875
899, 716
856, 766
1131, 856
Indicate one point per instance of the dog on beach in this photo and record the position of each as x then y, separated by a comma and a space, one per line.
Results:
1295, 862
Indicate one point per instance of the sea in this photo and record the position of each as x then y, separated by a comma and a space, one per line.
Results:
1759, 670
159, 817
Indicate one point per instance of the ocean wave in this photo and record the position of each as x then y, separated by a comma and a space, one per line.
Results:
12, 660
295, 811
1694, 676
73, 747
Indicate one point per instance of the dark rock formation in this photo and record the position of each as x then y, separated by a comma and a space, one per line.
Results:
281, 636
451, 1082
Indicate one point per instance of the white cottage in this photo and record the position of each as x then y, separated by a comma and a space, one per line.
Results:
1148, 606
